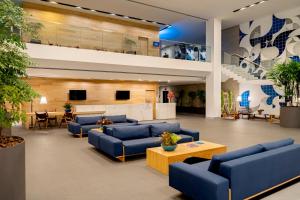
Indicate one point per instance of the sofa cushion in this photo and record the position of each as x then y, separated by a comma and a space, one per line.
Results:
139, 146
218, 159
117, 118
86, 128
158, 129
87, 120
131, 132
203, 165
277, 144
185, 138
106, 128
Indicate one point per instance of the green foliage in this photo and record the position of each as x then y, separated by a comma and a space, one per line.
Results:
286, 75
222, 101
202, 96
230, 101
192, 96
13, 63
169, 139
68, 106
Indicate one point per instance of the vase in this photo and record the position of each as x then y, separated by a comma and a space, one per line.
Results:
68, 110
169, 148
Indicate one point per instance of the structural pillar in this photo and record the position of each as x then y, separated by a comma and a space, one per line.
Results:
213, 80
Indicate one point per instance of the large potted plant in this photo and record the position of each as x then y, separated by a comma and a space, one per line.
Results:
287, 76
14, 91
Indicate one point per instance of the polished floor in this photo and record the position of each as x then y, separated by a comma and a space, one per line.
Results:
62, 167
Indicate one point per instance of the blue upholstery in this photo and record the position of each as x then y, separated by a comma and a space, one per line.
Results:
93, 138
218, 159
86, 123
117, 118
159, 128
185, 138
111, 145
245, 172
135, 138
74, 128
253, 174
110, 126
131, 132
277, 144
140, 145
86, 128
87, 120
194, 134
197, 182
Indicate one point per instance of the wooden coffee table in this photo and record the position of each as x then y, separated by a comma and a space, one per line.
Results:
160, 160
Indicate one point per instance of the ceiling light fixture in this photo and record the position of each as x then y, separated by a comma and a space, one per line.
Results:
108, 13
250, 6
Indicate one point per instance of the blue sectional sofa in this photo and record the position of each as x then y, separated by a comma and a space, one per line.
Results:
122, 141
83, 124
245, 172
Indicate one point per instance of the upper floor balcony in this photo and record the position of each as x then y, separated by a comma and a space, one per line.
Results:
84, 37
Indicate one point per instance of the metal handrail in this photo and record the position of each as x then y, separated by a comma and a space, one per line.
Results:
237, 55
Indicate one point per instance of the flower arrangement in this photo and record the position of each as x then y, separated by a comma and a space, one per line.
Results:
171, 96
68, 107
169, 140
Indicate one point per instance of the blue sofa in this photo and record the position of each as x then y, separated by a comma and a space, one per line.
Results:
83, 124
122, 141
245, 172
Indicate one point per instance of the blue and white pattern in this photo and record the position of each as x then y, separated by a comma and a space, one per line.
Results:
270, 39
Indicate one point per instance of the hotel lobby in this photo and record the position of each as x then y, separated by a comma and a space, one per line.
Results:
125, 99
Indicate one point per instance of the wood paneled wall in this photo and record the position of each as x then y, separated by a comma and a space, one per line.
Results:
79, 29
98, 92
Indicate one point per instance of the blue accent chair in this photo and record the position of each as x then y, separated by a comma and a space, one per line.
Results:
121, 141
83, 124
245, 172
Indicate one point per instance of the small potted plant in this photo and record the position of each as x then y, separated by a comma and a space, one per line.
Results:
68, 107
169, 141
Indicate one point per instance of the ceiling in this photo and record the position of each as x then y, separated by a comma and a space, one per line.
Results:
200, 9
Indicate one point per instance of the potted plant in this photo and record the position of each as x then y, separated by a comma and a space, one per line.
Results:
287, 76
169, 141
14, 91
68, 107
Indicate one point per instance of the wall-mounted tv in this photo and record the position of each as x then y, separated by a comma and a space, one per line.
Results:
122, 95
77, 95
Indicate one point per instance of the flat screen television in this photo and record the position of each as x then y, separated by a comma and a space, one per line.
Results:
122, 95
77, 95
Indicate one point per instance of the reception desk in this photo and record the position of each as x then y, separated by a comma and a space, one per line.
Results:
165, 110
139, 112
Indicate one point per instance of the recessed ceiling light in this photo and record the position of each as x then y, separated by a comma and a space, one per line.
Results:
126, 17
78, 7
112, 14
249, 6
53, 2
93, 10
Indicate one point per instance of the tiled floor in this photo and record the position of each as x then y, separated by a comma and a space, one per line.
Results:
62, 167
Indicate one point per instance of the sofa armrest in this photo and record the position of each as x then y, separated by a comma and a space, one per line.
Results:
111, 145
198, 183
74, 128
194, 134
131, 120
94, 138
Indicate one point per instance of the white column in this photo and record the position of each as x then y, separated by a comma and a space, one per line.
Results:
213, 80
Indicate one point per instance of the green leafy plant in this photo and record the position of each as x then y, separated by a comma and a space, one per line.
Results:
169, 139
14, 91
222, 102
192, 96
202, 96
287, 75
68, 106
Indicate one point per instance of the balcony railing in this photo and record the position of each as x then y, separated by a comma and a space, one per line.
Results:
63, 35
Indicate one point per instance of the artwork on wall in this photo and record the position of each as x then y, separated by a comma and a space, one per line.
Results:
271, 39
265, 97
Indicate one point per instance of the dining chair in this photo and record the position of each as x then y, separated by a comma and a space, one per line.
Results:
68, 117
41, 118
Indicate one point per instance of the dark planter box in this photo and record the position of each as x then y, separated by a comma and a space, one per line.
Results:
290, 117
12, 172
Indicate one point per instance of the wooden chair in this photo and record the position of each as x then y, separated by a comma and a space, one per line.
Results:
41, 118
68, 117
229, 115
52, 118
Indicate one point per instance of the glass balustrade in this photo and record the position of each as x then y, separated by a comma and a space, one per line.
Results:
63, 35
